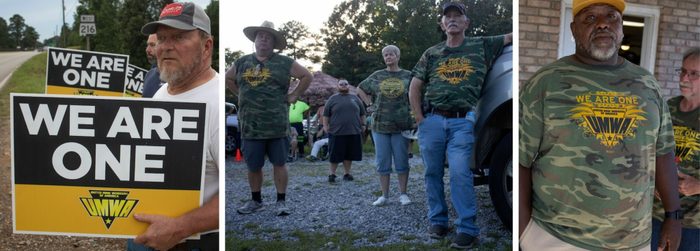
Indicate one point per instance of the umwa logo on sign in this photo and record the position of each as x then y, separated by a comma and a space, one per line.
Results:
108, 205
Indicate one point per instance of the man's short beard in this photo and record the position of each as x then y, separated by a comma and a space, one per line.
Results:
601, 54
152, 60
175, 76
343, 91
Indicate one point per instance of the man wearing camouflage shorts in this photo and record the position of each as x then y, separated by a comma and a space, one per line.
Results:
595, 139
685, 114
451, 73
261, 81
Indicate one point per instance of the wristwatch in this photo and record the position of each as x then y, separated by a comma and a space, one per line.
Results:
676, 215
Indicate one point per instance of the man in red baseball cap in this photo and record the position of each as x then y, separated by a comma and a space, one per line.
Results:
184, 51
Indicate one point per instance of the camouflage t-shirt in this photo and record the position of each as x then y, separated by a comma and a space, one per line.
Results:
453, 76
389, 90
686, 130
590, 135
263, 110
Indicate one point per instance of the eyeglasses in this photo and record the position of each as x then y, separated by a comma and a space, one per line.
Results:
692, 75
343, 83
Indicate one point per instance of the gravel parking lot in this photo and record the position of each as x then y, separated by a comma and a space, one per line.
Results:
320, 207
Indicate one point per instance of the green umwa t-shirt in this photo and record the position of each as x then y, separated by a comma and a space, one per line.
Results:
390, 93
591, 135
263, 109
454, 76
686, 131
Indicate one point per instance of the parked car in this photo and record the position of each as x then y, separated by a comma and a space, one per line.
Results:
493, 152
233, 134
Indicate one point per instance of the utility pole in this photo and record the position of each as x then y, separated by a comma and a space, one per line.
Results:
63, 13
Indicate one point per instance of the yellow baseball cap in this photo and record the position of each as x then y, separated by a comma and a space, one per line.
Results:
581, 4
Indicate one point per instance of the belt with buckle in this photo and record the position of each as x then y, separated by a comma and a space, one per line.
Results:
450, 114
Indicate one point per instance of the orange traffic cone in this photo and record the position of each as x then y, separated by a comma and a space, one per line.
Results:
238, 155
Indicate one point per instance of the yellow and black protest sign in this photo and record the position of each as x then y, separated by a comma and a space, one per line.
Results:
134, 81
76, 72
86, 165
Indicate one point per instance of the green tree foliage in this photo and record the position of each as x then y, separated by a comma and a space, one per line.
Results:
30, 38
418, 30
52, 41
109, 27
16, 30
5, 42
231, 56
119, 25
357, 30
349, 42
132, 42
301, 43
492, 17
17, 35
212, 11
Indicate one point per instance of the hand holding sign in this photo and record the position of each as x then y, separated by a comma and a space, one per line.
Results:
163, 232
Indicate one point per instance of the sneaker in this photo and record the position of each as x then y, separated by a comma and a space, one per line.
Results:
404, 200
282, 209
311, 158
348, 177
290, 159
437, 232
250, 207
331, 178
410, 155
379, 202
463, 241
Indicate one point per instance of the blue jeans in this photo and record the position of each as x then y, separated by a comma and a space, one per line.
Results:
690, 237
132, 246
388, 146
440, 137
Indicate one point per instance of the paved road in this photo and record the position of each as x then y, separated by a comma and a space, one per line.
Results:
10, 61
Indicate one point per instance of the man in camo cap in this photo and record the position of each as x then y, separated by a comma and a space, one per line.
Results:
595, 139
261, 81
451, 74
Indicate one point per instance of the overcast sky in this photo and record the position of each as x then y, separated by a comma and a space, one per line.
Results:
45, 15
236, 15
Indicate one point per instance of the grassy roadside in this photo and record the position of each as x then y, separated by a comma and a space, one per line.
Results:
337, 240
30, 77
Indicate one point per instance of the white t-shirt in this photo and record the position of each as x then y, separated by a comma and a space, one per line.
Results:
206, 93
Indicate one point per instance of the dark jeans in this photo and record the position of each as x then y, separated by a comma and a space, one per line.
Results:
690, 237
301, 140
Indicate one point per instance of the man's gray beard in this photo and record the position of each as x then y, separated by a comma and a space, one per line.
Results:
173, 77
152, 61
601, 54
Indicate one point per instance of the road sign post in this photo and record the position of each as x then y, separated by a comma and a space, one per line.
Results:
87, 27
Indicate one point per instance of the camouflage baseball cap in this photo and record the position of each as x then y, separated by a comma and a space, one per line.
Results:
182, 16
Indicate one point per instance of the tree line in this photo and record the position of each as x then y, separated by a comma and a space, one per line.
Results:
17, 35
351, 41
119, 23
